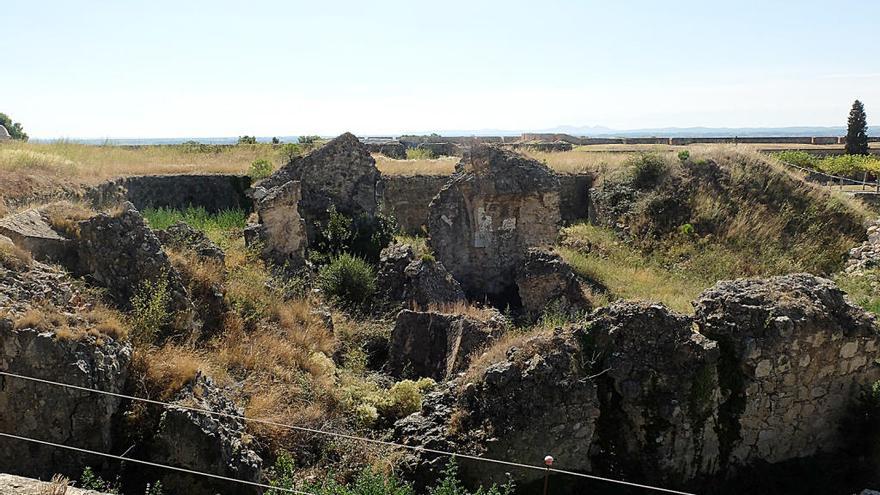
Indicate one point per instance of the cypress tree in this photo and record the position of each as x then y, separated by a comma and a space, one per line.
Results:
857, 130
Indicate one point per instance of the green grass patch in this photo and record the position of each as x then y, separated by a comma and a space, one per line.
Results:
217, 226
863, 290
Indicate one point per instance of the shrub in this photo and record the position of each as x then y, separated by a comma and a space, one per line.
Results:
401, 400
289, 151
450, 484
799, 158
149, 313
247, 139
419, 154
13, 257
686, 229
363, 236
91, 481
260, 169
349, 281
648, 170
684, 155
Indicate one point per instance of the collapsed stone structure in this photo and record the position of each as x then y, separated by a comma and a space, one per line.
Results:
544, 279
342, 174
29, 230
281, 232
437, 345
417, 282
121, 253
493, 209
764, 372
57, 414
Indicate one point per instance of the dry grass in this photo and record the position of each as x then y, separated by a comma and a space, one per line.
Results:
42, 319
14, 258
57, 486
64, 216
444, 165
98, 321
496, 351
461, 308
165, 371
572, 162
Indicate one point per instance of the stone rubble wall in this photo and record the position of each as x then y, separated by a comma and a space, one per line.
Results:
213, 192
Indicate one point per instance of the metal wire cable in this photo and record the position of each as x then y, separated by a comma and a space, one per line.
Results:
416, 448
152, 464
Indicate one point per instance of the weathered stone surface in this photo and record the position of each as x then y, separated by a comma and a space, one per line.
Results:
658, 392
545, 279
34, 285
794, 351
30, 231
406, 198
441, 149
281, 231
437, 345
57, 414
574, 196
181, 236
121, 253
536, 401
865, 256
416, 282
213, 192
17, 485
342, 173
391, 149
481, 224
203, 442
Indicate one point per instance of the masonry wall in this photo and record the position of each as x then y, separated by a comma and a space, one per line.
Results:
213, 192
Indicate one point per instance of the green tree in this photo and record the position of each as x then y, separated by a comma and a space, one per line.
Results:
247, 139
857, 130
15, 129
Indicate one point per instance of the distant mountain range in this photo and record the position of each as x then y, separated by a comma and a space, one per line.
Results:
590, 131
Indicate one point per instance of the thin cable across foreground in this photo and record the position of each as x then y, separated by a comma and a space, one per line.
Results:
152, 464
415, 448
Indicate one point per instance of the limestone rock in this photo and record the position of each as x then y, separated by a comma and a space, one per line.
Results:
281, 231
798, 350
546, 279
483, 221
437, 345
203, 442
30, 231
416, 282
342, 173
121, 253
534, 402
33, 285
17, 485
659, 383
183, 237
52, 413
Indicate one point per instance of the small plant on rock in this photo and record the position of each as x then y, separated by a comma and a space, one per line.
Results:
149, 311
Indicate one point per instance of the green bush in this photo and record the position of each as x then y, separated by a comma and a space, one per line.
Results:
363, 236
149, 310
247, 139
419, 154
91, 481
260, 169
799, 158
349, 281
289, 151
648, 170
684, 155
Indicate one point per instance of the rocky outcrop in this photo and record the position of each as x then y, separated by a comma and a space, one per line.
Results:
493, 209
416, 282
35, 284
393, 149
865, 256
52, 413
545, 281
30, 231
765, 372
437, 345
203, 442
794, 353
658, 392
182, 237
406, 198
342, 173
536, 401
121, 253
281, 233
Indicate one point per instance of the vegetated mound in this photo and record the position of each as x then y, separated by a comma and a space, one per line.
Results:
727, 213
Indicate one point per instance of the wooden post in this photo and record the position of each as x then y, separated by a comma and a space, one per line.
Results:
864, 180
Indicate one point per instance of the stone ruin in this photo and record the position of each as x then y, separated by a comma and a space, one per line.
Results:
342, 174
765, 371
491, 211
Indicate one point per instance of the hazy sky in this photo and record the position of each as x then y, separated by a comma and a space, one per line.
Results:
217, 68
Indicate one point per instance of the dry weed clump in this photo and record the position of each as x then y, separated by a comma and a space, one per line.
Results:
64, 216
57, 486
13, 257
462, 308
527, 341
98, 321
165, 371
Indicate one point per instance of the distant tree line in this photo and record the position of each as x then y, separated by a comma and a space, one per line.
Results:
15, 129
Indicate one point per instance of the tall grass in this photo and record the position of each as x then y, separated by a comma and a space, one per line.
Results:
215, 225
